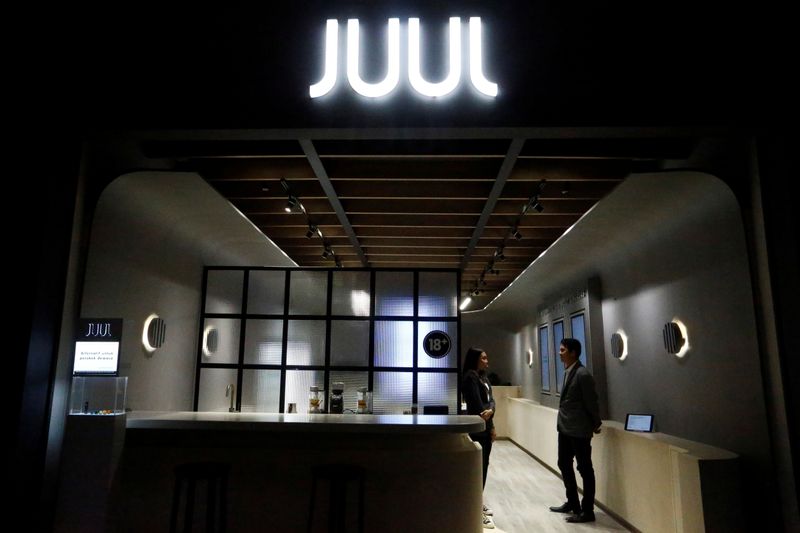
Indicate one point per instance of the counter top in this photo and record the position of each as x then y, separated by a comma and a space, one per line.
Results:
328, 423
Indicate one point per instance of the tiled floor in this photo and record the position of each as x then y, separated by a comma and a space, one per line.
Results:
520, 490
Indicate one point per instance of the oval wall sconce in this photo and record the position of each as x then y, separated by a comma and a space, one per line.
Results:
210, 341
619, 345
530, 357
676, 338
153, 333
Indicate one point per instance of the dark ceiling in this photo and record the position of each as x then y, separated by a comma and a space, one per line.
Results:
432, 203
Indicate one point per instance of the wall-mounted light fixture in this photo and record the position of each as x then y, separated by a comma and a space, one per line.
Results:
530, 357
676, 338
153, 333
210, 341
464, 303
619, 345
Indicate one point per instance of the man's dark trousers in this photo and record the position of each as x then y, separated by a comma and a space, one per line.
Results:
570, 448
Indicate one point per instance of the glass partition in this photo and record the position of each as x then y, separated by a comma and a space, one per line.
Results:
304, 327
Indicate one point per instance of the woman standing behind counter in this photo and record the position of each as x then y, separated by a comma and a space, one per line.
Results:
477, 392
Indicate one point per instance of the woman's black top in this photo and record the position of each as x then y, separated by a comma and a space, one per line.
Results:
477, 393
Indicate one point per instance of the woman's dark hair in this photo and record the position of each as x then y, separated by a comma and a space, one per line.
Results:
572, 345
472, 358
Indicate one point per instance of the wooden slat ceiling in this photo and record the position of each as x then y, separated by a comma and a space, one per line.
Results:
418, 203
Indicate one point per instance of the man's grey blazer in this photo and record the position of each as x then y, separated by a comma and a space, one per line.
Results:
578, 410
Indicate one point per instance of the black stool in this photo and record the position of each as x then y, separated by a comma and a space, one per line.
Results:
338, 476
216, 477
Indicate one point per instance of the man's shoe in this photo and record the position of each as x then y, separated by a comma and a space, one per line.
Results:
566, 508
488, 523
581, 517
487, 511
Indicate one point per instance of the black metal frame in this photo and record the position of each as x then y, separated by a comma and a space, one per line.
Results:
370, 368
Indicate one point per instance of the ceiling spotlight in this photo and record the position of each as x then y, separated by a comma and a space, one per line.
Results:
291, 204
517, 235
312, 230
565, 187
327, 252
337, 261
538, 207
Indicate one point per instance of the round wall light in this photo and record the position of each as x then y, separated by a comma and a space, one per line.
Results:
619, 345
676, 338
210, 341
153, 333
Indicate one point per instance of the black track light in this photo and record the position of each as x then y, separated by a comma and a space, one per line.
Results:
312, 230
517, 235
327, 252
538, 207
291, 204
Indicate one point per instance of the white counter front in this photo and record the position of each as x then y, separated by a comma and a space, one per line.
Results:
422, 472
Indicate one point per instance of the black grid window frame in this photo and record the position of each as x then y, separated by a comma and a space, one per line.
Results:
370, 368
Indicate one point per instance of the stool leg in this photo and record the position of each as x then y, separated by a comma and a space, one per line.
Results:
361, 505
336, 511
223, 504
189, 514
311, 504
176, 502
211, 504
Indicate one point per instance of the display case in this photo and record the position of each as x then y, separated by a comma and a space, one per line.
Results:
98, 395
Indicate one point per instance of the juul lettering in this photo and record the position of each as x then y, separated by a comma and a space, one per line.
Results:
98, 330
390, 82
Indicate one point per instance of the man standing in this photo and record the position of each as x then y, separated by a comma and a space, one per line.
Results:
578, 419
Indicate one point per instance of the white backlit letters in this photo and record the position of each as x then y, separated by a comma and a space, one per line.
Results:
390, 82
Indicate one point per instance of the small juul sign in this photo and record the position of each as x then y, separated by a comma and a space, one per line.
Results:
390, 82
97, 346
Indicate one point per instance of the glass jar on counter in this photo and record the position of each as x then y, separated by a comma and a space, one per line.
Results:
363, 400
314, 399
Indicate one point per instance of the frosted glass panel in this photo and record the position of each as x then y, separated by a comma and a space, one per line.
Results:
306, 344
265, 290
224, 291
262, 343
394, 293
213, 382
579, 332
544, 357
350, 293
393, 392
297, 384
224, 333
558, 335
438, 294
308, 293
437, 389
350, 342
261, 391
394, 344
352, 381
448, 361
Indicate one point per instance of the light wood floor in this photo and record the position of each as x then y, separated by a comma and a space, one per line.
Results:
520, 490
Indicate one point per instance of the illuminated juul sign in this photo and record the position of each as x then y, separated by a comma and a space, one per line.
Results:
392, 78
98, 330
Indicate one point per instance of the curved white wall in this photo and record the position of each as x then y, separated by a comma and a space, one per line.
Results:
664, 246
152, 234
